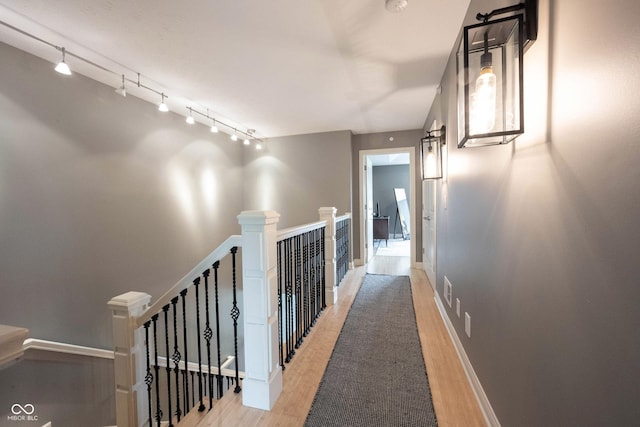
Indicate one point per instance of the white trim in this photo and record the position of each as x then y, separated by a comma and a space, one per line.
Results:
489, 415
412, 191
60, 347
295, 231
217, 254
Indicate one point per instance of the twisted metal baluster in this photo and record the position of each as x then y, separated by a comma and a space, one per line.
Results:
185, 375
313, 289
216, 265
148, 378
299, 302
196, 283
208, 333
280, 358
235, 313
289, 291
156, 368
165, 310
176, 356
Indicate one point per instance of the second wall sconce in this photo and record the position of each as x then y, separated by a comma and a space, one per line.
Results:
431, 150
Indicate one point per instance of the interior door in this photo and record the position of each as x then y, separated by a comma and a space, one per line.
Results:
429, 229
368, 207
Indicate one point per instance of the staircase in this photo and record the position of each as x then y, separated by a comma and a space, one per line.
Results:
11, 339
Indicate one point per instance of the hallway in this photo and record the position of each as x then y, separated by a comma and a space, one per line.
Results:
453, 399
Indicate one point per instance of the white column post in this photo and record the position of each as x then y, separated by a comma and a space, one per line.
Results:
262, 384
129, 357
330, 287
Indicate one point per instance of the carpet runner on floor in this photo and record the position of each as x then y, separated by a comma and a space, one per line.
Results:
376, 375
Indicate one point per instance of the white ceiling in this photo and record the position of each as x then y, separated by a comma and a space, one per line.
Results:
281, 67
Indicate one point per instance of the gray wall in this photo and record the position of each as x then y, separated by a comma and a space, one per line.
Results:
100, 195
376, 141
385, 179
296, 175
540, 237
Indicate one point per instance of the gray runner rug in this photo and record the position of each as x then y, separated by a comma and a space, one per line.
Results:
376, 375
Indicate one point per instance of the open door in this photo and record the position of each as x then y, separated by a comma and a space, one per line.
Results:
368, 207
429, 230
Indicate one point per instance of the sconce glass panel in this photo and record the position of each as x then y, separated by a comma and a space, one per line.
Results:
490, 86
432, 155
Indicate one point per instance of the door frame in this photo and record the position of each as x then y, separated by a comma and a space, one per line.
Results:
431, 273
412, 191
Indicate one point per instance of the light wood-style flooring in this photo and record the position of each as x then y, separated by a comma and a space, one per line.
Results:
453, 399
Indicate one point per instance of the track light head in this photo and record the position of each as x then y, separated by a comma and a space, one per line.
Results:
122, 90
62, 66
162, 106
190, 120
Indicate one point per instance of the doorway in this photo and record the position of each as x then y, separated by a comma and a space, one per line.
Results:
368, 158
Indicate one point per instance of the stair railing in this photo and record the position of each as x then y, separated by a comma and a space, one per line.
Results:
158, 380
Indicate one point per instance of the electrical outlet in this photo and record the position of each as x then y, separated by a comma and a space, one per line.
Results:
458, 306
467, 324
448, 291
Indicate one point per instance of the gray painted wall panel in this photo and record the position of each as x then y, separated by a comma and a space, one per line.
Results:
540, 239
100, 195
385, 179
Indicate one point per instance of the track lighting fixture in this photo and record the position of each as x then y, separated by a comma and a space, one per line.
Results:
190, 120
246, 141
258, 146
162, 106
62, 66
122, 90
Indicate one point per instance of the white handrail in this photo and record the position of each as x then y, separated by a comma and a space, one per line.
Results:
60, 347
217, 254
343, 217
294, 231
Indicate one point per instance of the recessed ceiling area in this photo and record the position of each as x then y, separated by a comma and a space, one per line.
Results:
280, 67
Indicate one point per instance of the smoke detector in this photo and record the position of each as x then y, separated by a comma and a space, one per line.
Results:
395, 6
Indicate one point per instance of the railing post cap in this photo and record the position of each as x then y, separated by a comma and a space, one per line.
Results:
328, 210
130, 300
258, 217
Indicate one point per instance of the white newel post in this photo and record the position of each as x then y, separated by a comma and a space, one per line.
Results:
330, 288
262, 384
129, 358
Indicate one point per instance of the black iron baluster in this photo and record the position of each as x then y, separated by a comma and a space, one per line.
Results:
305, 283
313, 289
235, 313
208, 333
165, 309
216, 265
299, 313
183, 294
193, 394
196, 283
289, 291
280, 358
322, 272
176, 356
148, 378
156, 368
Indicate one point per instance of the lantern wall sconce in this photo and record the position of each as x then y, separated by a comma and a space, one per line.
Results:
431, 149
490, 75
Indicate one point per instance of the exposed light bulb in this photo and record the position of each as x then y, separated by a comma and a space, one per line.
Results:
234, 137
214, 128
162, 106
246, 141
122, 90
483, 108
395, 5
190, 119
62, 66
258, 146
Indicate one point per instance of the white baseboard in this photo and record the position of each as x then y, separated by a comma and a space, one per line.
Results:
489, 415
357, 262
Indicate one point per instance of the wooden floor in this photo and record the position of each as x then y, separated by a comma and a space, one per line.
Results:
453, 399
